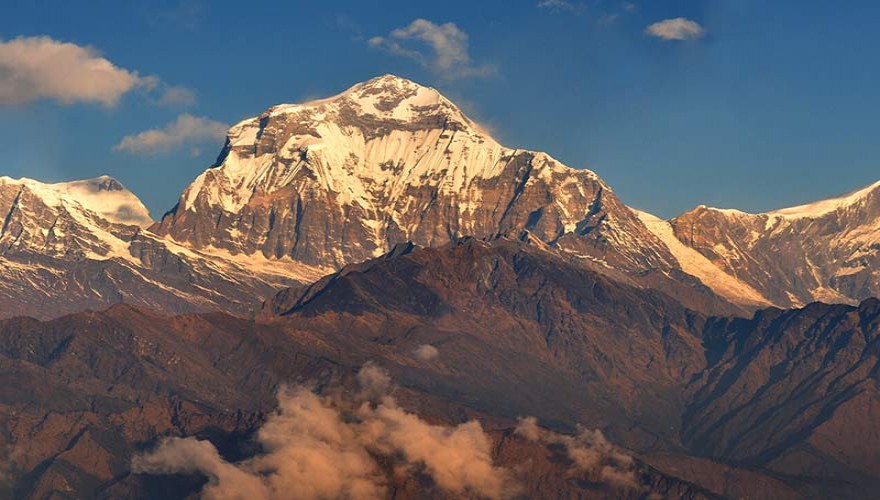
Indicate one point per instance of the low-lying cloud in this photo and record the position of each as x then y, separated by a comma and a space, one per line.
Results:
591, 454
186, 129
449, 56
39, 67
426, 352
321, 447
679, 28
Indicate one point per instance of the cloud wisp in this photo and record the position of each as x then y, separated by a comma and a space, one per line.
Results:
591, 454
678, 29
560, 5
448, 54
37, 68
177, 96
426, 352
324, 447
186, 129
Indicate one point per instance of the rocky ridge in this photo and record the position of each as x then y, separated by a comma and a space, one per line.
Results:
827, 251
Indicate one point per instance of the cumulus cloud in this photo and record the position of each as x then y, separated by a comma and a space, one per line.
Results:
35, 68
448, 46
186, 129
679, 28
321, 447
426, 352
590, 452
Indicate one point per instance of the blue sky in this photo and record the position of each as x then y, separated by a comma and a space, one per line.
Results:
766, 104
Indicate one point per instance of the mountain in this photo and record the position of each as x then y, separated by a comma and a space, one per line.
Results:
80, 245
825, 251
340, 180
706, 406
344, 179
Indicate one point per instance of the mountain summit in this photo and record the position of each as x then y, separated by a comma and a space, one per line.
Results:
343, 179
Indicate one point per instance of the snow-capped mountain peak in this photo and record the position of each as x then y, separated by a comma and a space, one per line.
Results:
338, 180
104, 196
91, 218
386, 97
370, 141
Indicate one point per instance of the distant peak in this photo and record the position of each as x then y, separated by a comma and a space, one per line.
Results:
822, 207
807, 211
103, 183
103, 195
394, 96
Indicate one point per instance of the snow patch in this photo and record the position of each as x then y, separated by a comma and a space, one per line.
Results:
819, 208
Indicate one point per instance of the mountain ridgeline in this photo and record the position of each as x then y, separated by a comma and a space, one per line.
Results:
304, 189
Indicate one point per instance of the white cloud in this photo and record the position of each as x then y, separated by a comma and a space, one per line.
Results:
33, 68
318, 447
448, 44
186, 129
676, 29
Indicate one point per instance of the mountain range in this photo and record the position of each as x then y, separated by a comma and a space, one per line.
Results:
382, 225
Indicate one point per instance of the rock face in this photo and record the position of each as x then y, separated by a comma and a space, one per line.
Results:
827, 251
793, 392
340, 180
504, 312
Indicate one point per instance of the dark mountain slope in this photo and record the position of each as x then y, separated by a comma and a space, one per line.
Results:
795, 392
83, 393
492, 330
